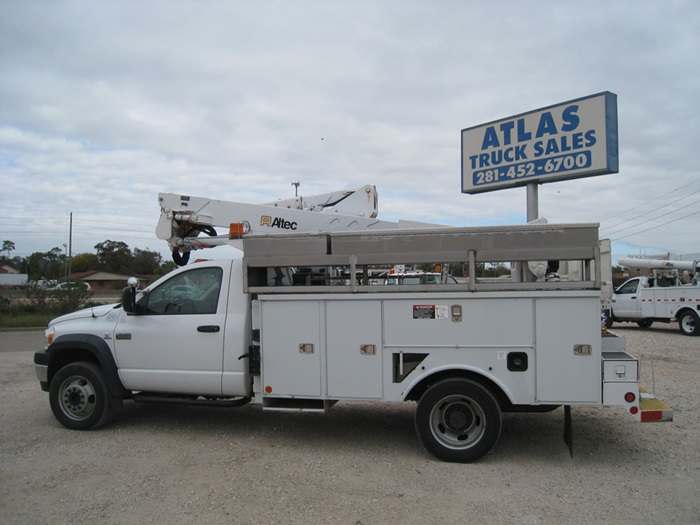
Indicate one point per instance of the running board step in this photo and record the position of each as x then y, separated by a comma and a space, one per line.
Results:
285, 404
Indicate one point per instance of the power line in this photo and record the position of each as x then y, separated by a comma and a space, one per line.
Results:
652, 219
658, 226
652, 210
649, 201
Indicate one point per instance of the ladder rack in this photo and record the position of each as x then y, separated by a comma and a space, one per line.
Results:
359, 250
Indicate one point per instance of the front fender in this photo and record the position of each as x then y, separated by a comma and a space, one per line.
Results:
70, 348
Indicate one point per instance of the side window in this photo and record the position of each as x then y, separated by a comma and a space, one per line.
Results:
193, 292
629, 287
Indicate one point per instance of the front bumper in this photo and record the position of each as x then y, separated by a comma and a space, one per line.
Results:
41, 368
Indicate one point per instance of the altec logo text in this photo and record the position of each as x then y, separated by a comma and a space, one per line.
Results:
276, 222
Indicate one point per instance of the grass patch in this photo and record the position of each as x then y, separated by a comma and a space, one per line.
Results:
37, 305
26, 320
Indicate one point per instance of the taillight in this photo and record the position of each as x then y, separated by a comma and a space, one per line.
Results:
630, 397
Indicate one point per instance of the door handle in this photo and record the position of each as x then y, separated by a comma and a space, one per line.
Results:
208, 328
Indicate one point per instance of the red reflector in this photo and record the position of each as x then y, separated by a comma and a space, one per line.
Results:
651, 415
630, 397
634, 410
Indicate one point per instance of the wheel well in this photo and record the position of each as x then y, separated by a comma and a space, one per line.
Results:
419, 389
89, 348
71, 355
684, 309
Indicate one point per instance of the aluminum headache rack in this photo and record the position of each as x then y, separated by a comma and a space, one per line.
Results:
356, 252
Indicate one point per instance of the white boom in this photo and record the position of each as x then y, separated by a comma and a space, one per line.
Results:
360, 202
183, 218
632, 262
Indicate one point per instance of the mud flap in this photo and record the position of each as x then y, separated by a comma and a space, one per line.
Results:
568, 432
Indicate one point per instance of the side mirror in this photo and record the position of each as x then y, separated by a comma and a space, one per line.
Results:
129, 296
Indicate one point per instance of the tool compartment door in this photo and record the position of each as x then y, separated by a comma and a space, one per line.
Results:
354, 359
291, 348
568, 350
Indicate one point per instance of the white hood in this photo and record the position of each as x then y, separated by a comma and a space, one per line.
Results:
95, 311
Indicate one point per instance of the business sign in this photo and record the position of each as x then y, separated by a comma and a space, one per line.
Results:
567, 141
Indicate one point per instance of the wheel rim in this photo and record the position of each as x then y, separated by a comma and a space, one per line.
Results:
688, 323
77, 398
457, 422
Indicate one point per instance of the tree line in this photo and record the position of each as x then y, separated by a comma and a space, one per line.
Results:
109, 256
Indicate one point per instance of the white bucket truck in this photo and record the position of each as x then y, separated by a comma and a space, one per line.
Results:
660, 296
260, 329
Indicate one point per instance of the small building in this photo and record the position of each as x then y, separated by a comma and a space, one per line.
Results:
101, 280
9, 276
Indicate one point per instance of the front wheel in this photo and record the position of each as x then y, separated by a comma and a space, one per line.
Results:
79, 396
688, 323
458, 420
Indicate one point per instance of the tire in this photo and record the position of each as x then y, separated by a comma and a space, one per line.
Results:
688, 323
608, 319
458, 420
645, 323
79, 396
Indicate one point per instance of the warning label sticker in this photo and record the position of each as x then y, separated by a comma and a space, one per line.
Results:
430, 311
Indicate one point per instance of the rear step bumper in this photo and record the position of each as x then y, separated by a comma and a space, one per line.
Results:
652, 409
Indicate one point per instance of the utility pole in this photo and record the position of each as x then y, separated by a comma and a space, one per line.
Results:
65, 247
70, 246
296, 188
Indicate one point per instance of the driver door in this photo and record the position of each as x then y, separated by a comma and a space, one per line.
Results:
625, 301
176, 344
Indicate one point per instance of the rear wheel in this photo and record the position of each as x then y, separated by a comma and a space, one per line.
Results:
688, 323
458, 420
79, 396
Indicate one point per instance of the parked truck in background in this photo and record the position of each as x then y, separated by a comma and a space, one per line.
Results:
228, 332
659, 297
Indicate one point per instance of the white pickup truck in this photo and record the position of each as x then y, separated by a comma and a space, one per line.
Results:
659, 297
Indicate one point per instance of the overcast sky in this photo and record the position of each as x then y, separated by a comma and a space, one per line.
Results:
104, 104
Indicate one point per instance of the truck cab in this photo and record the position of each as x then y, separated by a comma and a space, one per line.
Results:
195, 324
626, 299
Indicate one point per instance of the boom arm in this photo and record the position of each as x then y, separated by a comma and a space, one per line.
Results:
183, 218
632, 262
361, 202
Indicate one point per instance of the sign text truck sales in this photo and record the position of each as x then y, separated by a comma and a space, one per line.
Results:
569, 140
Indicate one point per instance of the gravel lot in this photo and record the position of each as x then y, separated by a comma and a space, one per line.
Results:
359, 464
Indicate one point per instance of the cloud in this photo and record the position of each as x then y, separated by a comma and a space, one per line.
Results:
105, 105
